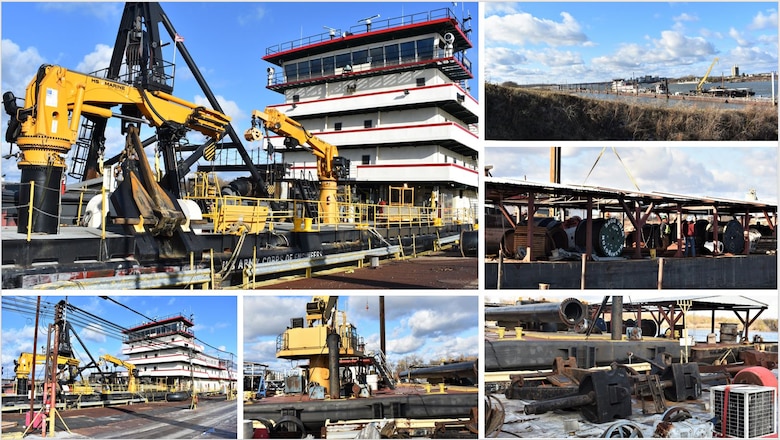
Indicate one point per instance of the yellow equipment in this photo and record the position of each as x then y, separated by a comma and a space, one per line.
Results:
48, 125
23, 365
57, 98
132, 372
330, 166
700, 86
310, 342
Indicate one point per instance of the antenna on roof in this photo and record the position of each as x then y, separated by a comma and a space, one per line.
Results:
333, 32
368, 22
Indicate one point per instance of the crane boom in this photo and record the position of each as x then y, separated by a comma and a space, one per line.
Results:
706, 75
47, 127
132, 385
330, 166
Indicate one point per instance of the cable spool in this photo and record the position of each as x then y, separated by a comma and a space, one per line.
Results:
733, 237
608, 237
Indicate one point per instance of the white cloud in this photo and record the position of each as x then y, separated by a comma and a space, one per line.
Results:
93, 332
96, 60
18, 67
523, 28
737, 36
768, 21
685, 17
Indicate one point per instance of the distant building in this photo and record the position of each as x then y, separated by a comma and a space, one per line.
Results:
166, 352
735, 71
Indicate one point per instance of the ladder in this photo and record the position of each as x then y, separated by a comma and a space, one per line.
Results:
381, 366
82, 149
310, 195
651, 385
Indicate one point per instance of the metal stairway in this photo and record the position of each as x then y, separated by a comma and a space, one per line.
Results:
310, 195
381, 367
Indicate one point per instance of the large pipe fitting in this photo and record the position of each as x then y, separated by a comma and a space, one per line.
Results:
569, 311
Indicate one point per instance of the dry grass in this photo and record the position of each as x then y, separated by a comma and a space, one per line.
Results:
524, 114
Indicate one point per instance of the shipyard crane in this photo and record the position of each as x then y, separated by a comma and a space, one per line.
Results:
132, 372
47, 126
700, 86
23, 369
322, 340
330, 166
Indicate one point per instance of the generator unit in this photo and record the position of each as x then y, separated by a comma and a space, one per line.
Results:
744, 411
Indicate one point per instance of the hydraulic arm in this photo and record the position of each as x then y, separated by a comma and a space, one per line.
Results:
330, 166
47, 127
132, 372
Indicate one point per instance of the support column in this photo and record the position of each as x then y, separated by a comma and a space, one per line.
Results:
617, 318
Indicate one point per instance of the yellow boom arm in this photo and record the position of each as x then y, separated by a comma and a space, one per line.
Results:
57, 98
23, 365
330, 167
132, 385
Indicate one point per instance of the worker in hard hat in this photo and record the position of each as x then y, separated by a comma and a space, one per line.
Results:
689, 231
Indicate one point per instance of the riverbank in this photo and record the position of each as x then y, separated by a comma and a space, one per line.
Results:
534, 114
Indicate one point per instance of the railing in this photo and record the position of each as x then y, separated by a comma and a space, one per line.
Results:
374, 25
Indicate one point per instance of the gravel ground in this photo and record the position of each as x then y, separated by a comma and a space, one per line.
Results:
439, 270
212, 419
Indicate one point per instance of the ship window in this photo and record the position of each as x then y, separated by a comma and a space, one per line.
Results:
343, 59
425, 49
328, 66
391, 54
407, 52
291, 72
296, 98
377, 57
368, 123
304, 70
316, 67
420, 82
337, 126
366, 159
360, 56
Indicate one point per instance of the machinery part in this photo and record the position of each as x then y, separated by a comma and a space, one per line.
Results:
608, 237
457, 372
676, 414
603, 396
733, 237
289, 425
330, 166
623, 429
685, 382
469, 243
332, 341
56, 99
756, 376
569, 311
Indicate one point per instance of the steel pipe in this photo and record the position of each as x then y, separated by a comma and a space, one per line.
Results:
569, 311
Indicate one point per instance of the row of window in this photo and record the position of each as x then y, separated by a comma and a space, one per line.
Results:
388, 55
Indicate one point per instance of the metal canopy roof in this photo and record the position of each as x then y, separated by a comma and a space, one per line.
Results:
704, 302
511, 191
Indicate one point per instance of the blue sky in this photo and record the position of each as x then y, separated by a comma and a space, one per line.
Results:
717, 170
429, 327
227, 40
214, 318
573, 42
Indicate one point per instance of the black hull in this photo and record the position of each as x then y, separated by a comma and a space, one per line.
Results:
80, 253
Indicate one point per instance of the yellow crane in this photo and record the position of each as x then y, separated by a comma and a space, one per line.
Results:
330, 166
700, 86
132, 372
322, 339
47, 127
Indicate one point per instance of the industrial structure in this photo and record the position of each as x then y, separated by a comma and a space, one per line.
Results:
165, 352
341, 389
559, 248
126, 224
638, 377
